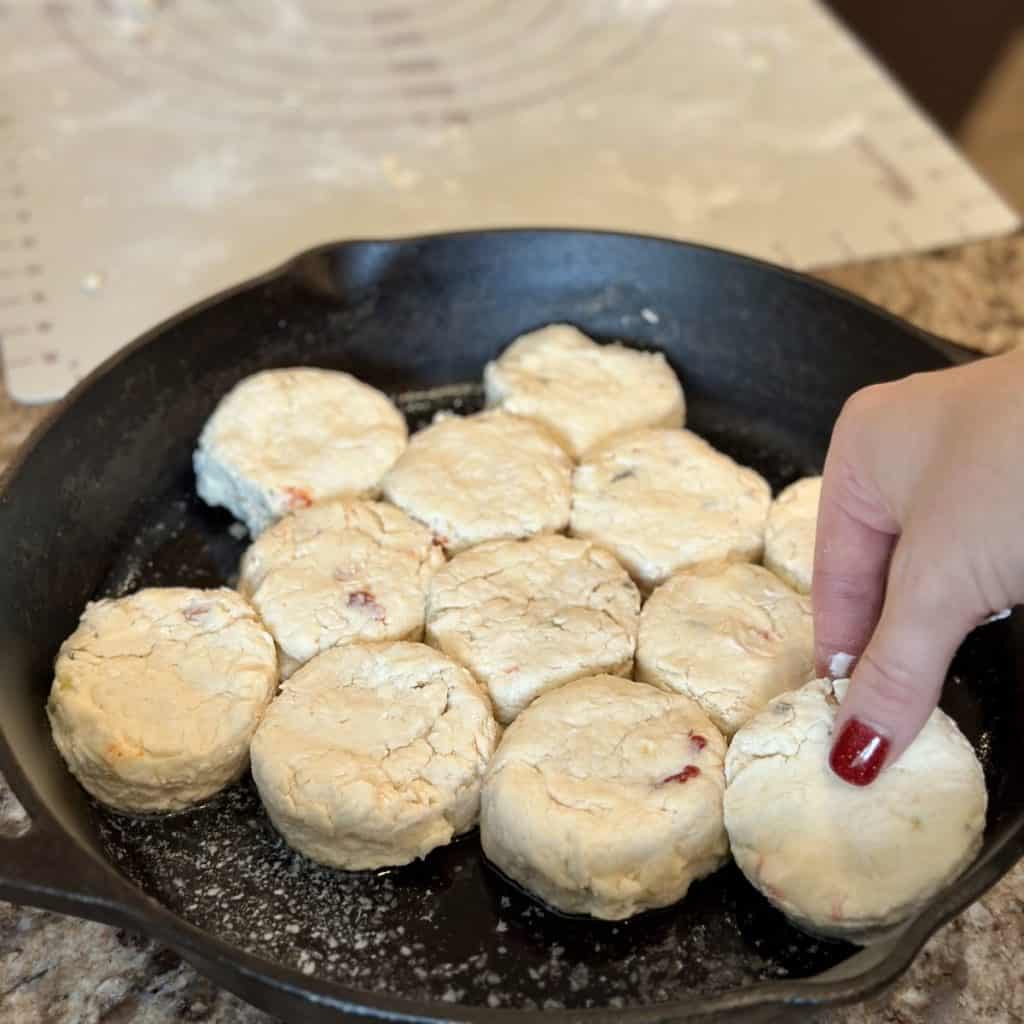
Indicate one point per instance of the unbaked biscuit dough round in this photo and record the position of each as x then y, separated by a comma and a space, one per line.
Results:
373, 755
664, 500
156, 696
605, 798
491, 476
729, 636
527, 616
790, 533
340, 572
584, 392
842, 860
283, 439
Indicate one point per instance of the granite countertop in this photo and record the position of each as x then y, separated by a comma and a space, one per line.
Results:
61, 970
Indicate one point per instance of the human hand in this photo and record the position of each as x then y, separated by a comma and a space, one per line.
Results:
920, 539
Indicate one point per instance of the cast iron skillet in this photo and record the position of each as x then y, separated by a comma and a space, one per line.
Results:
101, 502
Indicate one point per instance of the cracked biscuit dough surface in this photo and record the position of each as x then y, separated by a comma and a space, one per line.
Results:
791, 531
527, 616
373, 754
605, 798
730, 636
583, 392
664, 500
340, 572
282, 440
485, 477
156, 696
841, 860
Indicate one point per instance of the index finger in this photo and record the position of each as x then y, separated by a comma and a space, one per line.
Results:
853, 547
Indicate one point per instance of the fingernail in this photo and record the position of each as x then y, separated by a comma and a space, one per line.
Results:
857, 755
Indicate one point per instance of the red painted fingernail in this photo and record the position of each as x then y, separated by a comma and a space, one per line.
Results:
857, 755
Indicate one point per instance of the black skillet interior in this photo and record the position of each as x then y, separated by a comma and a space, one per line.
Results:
104, 504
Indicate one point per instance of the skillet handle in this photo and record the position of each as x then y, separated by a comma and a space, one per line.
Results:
48, 868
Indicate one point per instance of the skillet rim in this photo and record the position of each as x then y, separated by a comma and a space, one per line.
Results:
120, 901
951, 350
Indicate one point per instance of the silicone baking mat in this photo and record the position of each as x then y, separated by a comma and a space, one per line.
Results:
154, 152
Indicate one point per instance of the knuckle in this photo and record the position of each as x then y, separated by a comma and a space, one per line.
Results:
861, 407
887, 682
914, 575
853, 493
854, 450
926, 580
845, 588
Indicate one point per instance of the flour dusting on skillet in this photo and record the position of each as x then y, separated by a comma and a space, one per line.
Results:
447, 928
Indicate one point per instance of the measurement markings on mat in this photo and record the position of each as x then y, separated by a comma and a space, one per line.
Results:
24, 319
408, 116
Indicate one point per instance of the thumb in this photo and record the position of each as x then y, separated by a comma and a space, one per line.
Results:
898, 679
